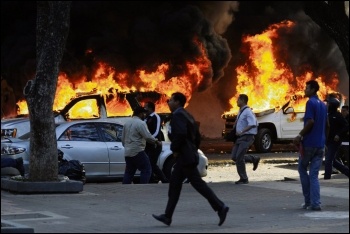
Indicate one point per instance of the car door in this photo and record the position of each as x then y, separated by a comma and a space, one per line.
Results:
111, 133
291, 123
82, 142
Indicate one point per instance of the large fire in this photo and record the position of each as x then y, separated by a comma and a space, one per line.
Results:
269, 84
108, 82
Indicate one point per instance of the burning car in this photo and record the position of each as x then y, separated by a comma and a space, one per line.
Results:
276, 125
280, 124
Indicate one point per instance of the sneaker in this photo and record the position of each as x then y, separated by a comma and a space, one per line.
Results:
19, 165
316, 208
241, 181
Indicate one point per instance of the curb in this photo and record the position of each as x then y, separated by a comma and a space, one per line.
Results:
12, 227
27, 187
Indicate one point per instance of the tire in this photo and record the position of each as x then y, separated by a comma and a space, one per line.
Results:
83, 179
168, 166
263, 141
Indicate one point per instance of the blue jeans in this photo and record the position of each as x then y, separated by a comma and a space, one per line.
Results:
309, 181
140, 162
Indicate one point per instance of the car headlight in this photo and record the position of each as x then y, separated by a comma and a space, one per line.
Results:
8, 150
9, 132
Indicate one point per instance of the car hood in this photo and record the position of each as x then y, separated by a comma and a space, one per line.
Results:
11, 121
257, 114
10, 140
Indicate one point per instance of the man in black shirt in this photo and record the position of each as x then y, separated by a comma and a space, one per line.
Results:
185, 140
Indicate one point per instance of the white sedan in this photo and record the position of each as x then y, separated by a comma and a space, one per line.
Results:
96, 144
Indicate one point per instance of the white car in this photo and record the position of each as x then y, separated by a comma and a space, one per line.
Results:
96, 144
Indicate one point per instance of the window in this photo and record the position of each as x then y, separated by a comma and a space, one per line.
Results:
80, 132
111, 132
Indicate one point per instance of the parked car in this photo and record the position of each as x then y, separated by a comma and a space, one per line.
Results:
96, 144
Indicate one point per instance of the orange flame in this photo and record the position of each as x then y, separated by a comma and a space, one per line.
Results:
108, 82
269, 84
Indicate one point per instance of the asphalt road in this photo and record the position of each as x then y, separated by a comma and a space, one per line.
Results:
258, 207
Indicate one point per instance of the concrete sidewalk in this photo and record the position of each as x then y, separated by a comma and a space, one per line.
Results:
113, 207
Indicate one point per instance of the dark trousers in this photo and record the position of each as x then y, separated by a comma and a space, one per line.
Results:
179, 174
238, 154
343, 154
153, 155
8, 162
331, 161
140, 162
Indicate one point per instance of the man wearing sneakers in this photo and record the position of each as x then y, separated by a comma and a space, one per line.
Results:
311, 143
246, 128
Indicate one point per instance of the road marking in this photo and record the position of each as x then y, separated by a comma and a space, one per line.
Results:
327, 214
285, 186
40, 215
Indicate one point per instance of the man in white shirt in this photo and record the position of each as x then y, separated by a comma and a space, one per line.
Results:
246, 129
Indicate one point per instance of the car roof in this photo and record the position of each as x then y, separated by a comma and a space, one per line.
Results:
62, 126
63, 123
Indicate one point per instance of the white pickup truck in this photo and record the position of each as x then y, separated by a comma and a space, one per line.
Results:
277, 125
16, 127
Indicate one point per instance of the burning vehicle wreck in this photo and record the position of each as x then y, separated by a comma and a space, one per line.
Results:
276, 125
89, 106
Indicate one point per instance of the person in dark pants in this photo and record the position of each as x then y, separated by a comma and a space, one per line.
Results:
15, 163
338, 127
134, 137
154, 123
246, 128
185, 139
343, 152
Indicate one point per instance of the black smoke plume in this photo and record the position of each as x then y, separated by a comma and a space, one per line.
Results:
132, 35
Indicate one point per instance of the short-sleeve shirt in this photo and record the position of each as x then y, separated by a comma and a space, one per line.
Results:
316, 110
246, 118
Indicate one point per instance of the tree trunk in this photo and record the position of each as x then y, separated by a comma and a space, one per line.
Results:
331, 17
52, 31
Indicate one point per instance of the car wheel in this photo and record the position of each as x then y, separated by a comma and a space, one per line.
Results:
168, 166
263, 141
83, 179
